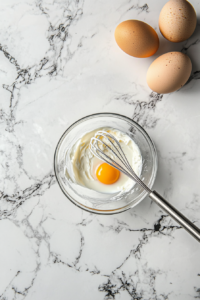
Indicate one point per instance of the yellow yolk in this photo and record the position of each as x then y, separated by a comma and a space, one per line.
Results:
107, 174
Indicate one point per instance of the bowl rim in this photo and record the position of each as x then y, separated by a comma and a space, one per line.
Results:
103, 114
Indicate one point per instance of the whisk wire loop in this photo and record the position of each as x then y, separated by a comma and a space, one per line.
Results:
109, 160
109, 138
125, 166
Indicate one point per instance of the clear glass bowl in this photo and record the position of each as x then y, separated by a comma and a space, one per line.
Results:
92, 201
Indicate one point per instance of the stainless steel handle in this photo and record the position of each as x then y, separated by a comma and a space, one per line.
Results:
176, 215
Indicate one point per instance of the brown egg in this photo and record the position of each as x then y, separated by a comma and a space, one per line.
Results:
177, 20
169, 72
136, 38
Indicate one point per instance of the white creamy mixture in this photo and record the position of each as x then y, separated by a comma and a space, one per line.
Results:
85, 164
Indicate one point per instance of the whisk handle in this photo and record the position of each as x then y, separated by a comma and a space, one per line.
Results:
176, 215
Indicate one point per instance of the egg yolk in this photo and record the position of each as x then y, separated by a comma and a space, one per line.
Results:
107, 174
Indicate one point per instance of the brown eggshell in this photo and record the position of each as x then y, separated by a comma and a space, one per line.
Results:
177, 20
136, 38
169, 72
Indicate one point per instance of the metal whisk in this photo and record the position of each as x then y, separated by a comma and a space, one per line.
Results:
107, 148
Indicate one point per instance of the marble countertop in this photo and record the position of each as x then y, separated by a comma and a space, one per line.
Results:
59, 62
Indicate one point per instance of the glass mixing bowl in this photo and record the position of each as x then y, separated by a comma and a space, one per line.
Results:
92, 201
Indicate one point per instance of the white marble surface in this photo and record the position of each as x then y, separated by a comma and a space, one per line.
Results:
58, 63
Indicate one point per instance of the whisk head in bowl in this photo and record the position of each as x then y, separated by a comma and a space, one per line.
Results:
107, 148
